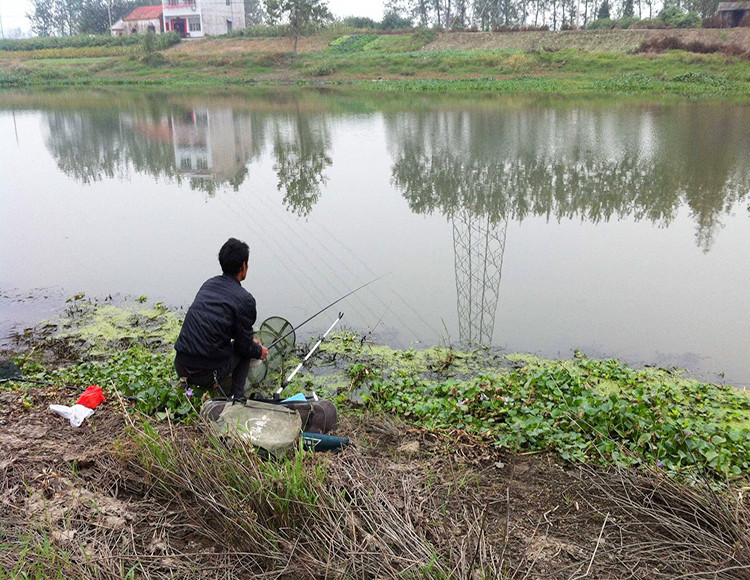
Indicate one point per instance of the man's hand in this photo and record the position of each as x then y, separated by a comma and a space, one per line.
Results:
265, 350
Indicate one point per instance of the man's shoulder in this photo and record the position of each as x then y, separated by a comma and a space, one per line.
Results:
228, 287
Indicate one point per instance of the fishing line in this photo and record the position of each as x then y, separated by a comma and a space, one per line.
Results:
324, 309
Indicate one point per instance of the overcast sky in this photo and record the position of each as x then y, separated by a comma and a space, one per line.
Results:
13, 12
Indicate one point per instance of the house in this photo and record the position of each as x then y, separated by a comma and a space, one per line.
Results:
118, 28
733, 13
197, 18
144, 19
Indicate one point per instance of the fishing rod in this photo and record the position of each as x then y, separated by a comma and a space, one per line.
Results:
309, 354
278, 340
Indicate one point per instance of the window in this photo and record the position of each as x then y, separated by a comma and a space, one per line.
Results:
229, 2
194, 24
229, 25
186, 163
201, 163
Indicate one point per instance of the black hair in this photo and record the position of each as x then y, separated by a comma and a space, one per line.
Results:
232, 255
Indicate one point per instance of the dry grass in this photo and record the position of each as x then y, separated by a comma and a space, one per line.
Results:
606, 40
243, 46
675, 530
170, 502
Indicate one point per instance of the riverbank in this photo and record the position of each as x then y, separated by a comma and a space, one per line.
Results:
464, 462
575, 63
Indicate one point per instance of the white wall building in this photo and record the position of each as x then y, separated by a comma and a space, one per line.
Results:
144, 19
197, 18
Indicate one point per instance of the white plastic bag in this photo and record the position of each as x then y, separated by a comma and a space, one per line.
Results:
76, 413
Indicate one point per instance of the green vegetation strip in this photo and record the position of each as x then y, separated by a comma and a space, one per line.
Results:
388, 63
585, 410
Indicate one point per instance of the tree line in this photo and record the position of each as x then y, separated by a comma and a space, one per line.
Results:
556, 14
71, 17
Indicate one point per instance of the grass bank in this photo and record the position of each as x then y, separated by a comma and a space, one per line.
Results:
466, 464
586, 63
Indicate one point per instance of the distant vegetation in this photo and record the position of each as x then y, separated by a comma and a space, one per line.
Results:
278, 17
161, 41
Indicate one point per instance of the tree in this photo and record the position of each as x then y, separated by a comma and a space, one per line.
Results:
299, 13
254, 12
55, 17
360, 22
628, 10
393, 21
421, 11
300, 161
603, 13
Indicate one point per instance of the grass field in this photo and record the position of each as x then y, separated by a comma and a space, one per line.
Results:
542, 62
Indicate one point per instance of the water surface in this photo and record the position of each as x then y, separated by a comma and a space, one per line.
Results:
617, 228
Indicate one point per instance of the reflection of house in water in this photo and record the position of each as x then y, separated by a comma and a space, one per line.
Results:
211, 144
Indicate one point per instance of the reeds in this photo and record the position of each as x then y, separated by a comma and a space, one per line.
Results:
674, 529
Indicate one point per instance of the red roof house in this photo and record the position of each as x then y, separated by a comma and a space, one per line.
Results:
144, 19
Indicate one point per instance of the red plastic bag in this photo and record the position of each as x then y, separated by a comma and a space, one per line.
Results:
91, 397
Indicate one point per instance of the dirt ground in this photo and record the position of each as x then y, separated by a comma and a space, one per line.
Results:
76, 499
77, 483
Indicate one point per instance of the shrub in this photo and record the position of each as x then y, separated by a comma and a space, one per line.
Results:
360, 22
609, 23
506, 28
600, 24
675, 43
81, 41
713, 22
393, 21
648, 24
689, 20
260, 31
423, 36
675, 17
154, 59
85, 41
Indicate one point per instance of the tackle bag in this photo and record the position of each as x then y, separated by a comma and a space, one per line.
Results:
317, 416
273, 428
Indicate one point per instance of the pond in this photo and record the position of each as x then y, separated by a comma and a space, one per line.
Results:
619, 228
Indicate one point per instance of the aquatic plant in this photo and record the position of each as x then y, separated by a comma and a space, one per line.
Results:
591, 410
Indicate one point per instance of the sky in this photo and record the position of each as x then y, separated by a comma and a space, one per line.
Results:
13, 12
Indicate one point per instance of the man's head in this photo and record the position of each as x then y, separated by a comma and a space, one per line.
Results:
233, 258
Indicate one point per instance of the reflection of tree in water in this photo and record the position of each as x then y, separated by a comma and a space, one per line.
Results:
482, 169
300, 151
205, 147
92, 145
587, 164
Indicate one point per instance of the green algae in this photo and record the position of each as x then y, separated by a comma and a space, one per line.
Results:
107, 327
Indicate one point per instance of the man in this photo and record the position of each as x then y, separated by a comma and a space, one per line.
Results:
216, 339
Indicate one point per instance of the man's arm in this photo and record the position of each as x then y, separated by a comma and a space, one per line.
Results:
244, 344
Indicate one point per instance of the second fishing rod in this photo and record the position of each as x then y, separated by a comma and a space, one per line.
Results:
321, 311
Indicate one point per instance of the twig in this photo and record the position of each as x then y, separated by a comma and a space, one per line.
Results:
598, 541
479, 541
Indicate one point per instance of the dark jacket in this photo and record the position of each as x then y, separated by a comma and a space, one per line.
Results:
222, 310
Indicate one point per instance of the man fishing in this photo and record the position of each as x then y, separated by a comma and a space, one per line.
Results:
216, 339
